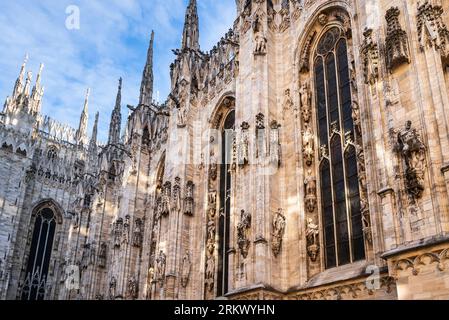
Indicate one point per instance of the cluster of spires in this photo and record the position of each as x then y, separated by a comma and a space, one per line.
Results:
21, 92
23, 95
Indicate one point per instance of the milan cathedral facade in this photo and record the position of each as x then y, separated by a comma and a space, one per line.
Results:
306, 156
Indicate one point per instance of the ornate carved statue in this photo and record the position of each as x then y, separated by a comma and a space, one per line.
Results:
132, 288
278, 224
275, 144
211, 229
370, 57
312, 235
176, 194
242, 232
212, 204
413, 152
165, 199
260, 41
125, 232
137, 233
185, 269
308, 145
306, 107
243, 152
188, 200
160, 266
310, 184
288, 104
118, 229
183, 106
210, 273
213, 166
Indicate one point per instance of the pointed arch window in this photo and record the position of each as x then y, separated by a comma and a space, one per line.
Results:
35, 285
340, 194
228, 133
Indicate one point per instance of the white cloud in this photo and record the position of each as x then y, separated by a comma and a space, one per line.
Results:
111, 43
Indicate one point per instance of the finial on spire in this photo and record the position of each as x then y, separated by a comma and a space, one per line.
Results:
146, 87
38, 92
81, 134
18, 87
116, 118
26, 89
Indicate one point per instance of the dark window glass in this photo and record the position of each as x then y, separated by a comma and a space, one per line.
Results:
354, 200
39, 257
321, 100
332, 92
225, 204
340, 195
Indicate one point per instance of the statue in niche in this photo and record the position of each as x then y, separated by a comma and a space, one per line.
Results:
288, 104
85, 258
177, 195
125, 232
182, 105
160, 266
165, 199
242, 232
412, 150
260, 40
244, 145
102, 255
312, 236
212, 204
275, 145
185, 269
308, 145
132, 288
213, 166
310, 183
356, 115
278, 224
118, 228
137, 233
112, 288
188, 200
210, 273
306, 107
92, 254
211, 230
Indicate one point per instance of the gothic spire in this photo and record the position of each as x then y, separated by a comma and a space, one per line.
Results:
93, 139
116, 118
190, 37
26, 89
146, 88
81, 134
18, 87
38, 91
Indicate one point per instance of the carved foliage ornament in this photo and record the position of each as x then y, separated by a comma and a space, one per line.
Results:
396, 42
432, 30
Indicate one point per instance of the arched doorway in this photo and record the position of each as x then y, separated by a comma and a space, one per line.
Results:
40, 250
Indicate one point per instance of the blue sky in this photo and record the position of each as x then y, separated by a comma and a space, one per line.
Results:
112, 42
